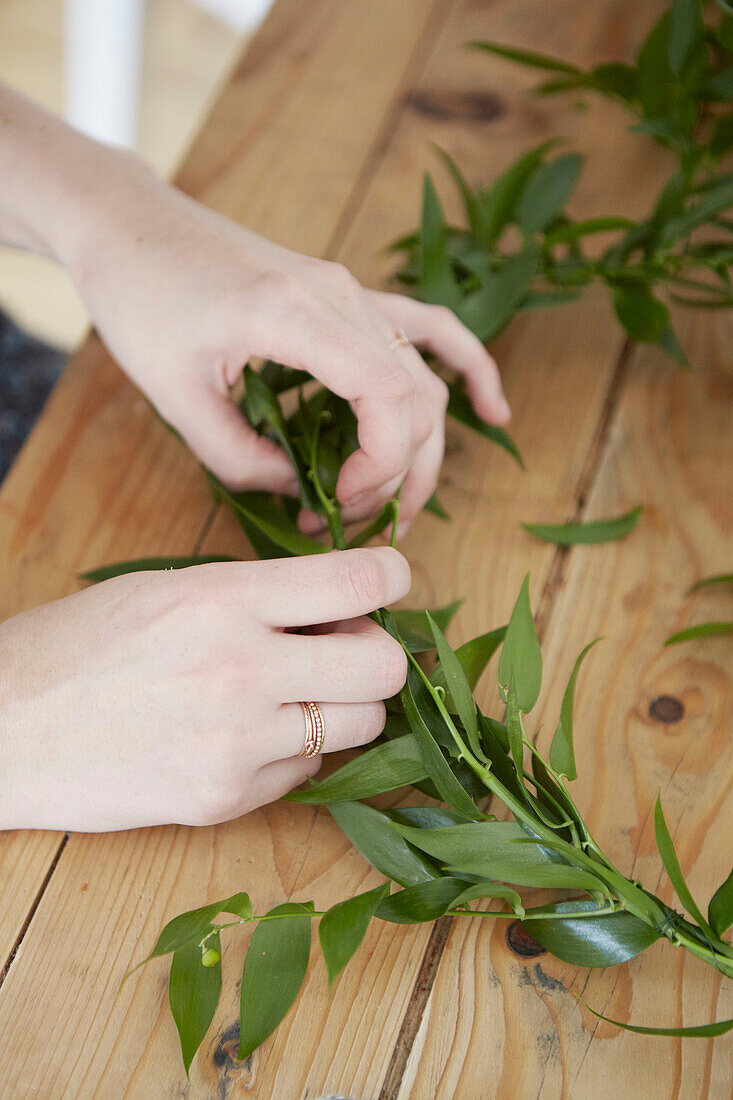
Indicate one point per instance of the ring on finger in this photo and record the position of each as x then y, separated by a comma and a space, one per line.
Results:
315, 729
401, 340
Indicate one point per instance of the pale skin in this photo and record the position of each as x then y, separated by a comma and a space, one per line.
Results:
173, 697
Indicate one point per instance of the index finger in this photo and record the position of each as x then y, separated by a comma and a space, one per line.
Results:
324, 588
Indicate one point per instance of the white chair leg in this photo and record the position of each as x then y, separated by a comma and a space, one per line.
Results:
103, 56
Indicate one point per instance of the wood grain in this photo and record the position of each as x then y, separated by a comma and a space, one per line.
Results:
88, 486
582, 427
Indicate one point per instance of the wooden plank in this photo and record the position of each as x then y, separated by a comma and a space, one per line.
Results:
322, 1046
670, 447
88, 485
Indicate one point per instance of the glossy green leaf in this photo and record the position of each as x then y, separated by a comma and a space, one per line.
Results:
436, 765
497, 850
425, 902
673, 869
707, 582
438, 284
274, 968
515, 731
589, 533
702, 630
461, 409
474, 213
191, 926
473, 658
716, 200
262, 406
528, 57
435, 508
668, 342
499, 201
383, 519
547, 191
458, 685
592, 941
373, 834
520, 662
344, 926
193, 994
643, 316
381, 768
720, 910
657, 83
562, 752
567, 234
425, 817
700, 1031
492, 890
616, 79
274, 524
718, 86
415, 629
140, 565
490, 308
685, 33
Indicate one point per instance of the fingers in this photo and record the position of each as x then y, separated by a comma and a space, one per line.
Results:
324, 587
422, 478
439, 330
340, 668
276, 779
346, 725
230, 448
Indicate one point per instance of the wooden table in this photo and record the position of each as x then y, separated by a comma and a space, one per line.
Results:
319, 139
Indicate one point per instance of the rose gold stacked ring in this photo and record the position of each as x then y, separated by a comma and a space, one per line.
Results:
401, 340
314, 729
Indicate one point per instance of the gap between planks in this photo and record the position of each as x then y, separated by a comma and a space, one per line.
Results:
418, 58
438, 939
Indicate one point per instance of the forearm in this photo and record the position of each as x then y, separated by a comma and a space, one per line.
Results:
56, 182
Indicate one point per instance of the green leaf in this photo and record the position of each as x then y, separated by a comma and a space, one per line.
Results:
490, 308
721, 141
567, 234
438, 284
382, 768
498, 850
706, 582
515, 731
547, 192
499, 201
474, 213
473, 658
373, 834
415, 629
720, 910
258, 510
383, 519
262, 406
193, 994
589, 533
461, 409
719, 86
141, 565
716, 200
643, 316
562, 753
458, 685
616, 79
344, 926
435, 508
190, 927
668, 342
657, 83
703, 630
435, 763
520, 662
425, 817
274, 969
685, 33
492, 890
592, 941
528, 57
425, 902
673, 869
701, 1031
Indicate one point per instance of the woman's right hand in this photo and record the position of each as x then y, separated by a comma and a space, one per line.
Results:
173, 697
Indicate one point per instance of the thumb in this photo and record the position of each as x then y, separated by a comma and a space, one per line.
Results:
228, 445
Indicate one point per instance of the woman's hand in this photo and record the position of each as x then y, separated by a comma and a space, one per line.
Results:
173, 697
184, 297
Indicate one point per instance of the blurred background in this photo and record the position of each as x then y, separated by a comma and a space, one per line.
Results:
140, 73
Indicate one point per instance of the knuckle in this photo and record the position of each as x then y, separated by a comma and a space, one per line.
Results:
399, 387
342, 278
440, 392
363, 578
391, 667
213, 803
422, 425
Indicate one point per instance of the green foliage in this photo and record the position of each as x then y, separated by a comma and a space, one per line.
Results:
594, 531
520, 249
